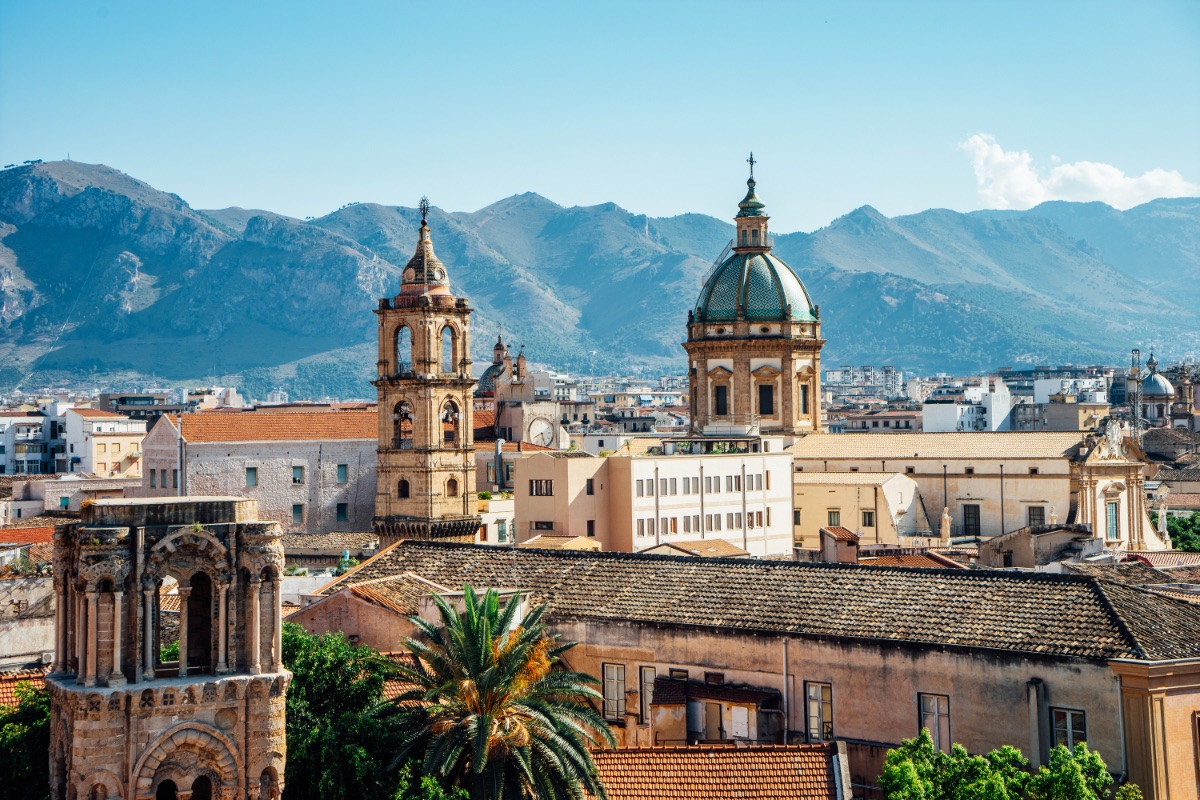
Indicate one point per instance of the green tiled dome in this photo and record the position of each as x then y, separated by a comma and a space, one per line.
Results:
760, 285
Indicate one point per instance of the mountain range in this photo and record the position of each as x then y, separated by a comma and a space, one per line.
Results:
106, 279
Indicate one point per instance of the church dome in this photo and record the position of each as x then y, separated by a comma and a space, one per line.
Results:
1156, 384
755, 286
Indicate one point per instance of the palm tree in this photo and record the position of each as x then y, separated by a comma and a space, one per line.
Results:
489, 711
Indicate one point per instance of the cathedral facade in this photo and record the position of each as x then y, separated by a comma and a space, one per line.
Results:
754, 340
426, 456
126, 722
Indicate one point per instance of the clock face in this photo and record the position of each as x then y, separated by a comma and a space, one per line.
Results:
409, 274
541, 432
439, 274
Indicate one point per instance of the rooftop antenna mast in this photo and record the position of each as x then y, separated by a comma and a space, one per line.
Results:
1135, 397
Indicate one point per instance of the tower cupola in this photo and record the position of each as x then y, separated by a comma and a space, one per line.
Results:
425, 273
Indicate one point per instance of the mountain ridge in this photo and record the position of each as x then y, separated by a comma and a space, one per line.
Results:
103, 277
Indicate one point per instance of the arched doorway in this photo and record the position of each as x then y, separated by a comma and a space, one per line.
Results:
199, 623
166, 791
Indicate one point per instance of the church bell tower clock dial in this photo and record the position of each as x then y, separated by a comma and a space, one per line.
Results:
541, 431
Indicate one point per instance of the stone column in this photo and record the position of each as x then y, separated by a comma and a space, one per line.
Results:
93, 643
60, 628
277, 639
80, 637
118, 676
255, 625
148, 635
184, 593
222, 630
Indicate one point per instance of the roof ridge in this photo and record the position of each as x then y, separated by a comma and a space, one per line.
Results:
1115, 615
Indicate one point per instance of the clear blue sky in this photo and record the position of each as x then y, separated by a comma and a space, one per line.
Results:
299, 107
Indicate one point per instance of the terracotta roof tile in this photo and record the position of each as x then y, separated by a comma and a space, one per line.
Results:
706, 548
280, 427
916, 560
764, 772
9, 681
841, 534
94, 413
354, 541
1054, 615
1164, 559
38, 535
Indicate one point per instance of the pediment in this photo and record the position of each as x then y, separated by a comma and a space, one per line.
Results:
766, 372
720, 374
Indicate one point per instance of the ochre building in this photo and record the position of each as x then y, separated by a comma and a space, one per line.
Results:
426, 471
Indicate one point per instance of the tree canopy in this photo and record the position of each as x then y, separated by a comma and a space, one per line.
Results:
492, 714
1184, 531
25, 745
916, 770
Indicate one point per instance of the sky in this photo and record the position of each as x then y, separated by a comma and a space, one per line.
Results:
300, 107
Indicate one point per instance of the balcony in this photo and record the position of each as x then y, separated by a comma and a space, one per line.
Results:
733, 425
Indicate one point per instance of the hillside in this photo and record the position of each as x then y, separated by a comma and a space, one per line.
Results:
107, 278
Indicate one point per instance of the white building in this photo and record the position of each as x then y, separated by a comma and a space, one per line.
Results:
23, 448
962, 408
103, 443
1087, 390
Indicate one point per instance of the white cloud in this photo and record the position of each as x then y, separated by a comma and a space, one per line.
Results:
1009, 179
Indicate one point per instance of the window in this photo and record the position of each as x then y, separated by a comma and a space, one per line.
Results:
252, 476
1070, 727
737, 520
116, 448
708, 523
687, 524
868, 519
543, 525
402, 490
541, 488
297, 514
714, 678
614, 691
909, 470
650, 526
696, 523
102, 448
676, 674
447, 349
695, 486
591, 486
729, 483
717, 521
101, 467
342, 515
641, 491
687, 486
647, 676
343, 473
758, 516
721, 400
641, 527
708, 485
403, 350
1033, 470
803, 399
662, 486
591, 527
766, 400
501, 530
297, 475
674, 486
835, 517
650, 487
970, 470
971, 520
153, 480
768, 480
768, 515
935, 715
818, 701
664, 527
1114, 530
674, 524
796, 517
1037, 515
737, 483
174, 479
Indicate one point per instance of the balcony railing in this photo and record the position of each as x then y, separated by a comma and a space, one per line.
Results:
733, 425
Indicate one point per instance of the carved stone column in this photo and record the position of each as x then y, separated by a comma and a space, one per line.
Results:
117, 678
222, 630
255, 625
148, 635
60, 628
184, 594
277, 639
93, 637
80, 637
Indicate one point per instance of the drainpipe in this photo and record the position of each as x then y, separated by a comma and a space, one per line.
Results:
1121, 726
703, 528
745, 527
657, 517
181, 489
1002, 528
787, 717
1035, 717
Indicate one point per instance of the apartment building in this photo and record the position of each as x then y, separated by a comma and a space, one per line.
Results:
104, 443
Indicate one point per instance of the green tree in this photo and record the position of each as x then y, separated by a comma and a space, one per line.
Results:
340, 733
490, 712
25, 745
916, 770
1184, 531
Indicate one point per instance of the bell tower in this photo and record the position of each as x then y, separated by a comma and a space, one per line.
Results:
426, 486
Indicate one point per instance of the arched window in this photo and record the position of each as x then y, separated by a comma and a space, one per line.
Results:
451, 424
202, 788
452, 488
166, 791
404, 354
448, 360
402, 426
402, 490
199, 624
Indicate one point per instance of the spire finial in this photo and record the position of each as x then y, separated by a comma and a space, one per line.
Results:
751, 162
424, 206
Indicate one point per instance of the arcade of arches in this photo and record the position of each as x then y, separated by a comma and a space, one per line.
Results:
126, 724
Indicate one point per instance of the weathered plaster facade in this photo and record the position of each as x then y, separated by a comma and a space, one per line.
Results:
124, 723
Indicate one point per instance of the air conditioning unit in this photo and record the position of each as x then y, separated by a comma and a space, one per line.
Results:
48, 658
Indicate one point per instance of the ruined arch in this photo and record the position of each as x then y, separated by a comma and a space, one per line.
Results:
183, 754
100, 785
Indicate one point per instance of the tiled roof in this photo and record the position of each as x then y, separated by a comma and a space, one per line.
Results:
762, 772
512, 447
908, 446
552, 541
1164, 559
841, 534
1134, 573
1187, 592
708, 548
671, 691
41, 553
265, 426
289, 608
97, 413
1190, 500
334, 540
1038, 613
1179, 475
913, 561
9, 681
38, 535
1182, 574
484, 425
